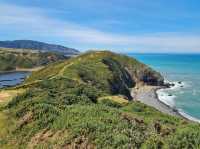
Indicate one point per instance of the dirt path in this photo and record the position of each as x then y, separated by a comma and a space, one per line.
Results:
3, 96
29, 69
7, 95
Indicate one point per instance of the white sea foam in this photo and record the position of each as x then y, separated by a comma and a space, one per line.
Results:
187, 116
165, 98
176, 85
168, 99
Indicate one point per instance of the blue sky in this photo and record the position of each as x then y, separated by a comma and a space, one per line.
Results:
119, 25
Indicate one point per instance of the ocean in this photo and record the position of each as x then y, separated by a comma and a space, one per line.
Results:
184, 71
12, 78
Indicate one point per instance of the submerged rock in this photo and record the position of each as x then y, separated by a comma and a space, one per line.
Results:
168, 85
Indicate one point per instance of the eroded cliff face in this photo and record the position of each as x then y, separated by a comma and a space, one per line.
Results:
122, 79
151, 77
128, 77
139, 72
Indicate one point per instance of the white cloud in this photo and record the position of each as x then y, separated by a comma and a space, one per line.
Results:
35, 21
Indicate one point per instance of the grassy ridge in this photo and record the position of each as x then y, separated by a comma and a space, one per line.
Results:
82, 103
106, 71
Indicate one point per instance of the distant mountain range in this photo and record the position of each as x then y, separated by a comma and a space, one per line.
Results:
41, 46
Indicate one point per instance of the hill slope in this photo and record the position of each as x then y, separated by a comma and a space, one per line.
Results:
35, 45
10, 59
106, 71
76, 104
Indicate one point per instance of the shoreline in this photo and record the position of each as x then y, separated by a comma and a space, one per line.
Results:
174, 109
179, 112
148, 95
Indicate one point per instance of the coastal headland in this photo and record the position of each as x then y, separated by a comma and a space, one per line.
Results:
86, 102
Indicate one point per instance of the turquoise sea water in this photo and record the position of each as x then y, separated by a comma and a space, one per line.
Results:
175, 68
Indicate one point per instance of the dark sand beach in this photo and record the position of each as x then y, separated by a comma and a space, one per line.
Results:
147, 95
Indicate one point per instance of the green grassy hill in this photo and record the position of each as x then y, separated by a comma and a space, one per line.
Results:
85, 102
108, 72
10, 59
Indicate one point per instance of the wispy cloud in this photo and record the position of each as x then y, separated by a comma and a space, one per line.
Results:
35, 22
